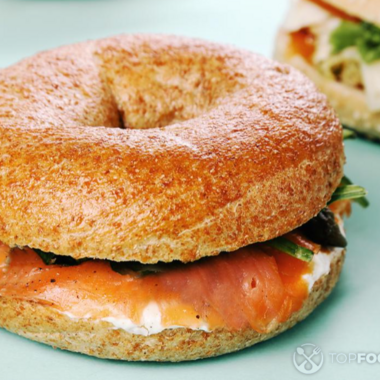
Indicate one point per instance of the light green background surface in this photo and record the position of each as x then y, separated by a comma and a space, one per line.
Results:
349, 321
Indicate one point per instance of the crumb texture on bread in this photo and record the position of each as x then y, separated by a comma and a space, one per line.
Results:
208, 148
45, 324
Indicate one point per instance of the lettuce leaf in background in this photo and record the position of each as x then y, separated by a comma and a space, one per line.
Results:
345, 35
365, 36
369, 44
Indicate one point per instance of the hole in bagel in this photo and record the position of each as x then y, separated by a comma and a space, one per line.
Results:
153, 89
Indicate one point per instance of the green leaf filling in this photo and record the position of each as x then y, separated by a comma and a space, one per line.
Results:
348, 134
364, 36
141, 270
293, 249
52, 259
349, 191
47, 257
322, 229
345, 35
363, 201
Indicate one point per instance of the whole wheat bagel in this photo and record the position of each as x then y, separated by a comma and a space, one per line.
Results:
212, 148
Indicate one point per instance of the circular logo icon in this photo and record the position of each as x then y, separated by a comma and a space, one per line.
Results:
308, 358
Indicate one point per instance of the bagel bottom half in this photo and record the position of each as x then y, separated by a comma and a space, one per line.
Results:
45, 324
349, 102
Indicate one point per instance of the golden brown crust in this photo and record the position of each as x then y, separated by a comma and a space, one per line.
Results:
367, 10
45, 324
248, 149
350, 103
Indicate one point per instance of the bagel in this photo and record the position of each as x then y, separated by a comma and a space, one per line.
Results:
357, 104
240, 143
127, 163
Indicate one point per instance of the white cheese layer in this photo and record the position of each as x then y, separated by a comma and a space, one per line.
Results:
321, 265
150, 322
322, 261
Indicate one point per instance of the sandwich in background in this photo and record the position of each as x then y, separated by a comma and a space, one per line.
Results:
336, 43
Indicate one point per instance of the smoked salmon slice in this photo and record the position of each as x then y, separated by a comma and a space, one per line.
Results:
256, 286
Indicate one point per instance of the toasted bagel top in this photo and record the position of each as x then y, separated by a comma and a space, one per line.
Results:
209, 148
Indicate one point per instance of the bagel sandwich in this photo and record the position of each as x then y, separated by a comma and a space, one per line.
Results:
165, 198
336, 43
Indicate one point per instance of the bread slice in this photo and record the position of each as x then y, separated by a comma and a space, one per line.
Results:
367, 10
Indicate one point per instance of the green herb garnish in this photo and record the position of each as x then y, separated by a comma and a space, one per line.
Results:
322, 229
141, 270
353, 192
348, 134
364, 36
362, 201
52, 259
293, 249
345, 35
47, 257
